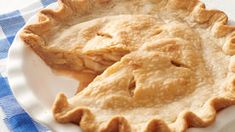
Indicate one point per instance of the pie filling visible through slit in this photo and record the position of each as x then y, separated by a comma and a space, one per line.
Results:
159, 65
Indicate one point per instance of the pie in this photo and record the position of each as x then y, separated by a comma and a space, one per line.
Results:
157, 65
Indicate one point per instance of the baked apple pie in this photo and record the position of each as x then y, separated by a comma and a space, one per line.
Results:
159, 65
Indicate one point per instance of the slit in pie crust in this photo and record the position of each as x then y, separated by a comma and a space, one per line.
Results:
164, 65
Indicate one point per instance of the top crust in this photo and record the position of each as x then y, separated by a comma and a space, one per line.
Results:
38, 35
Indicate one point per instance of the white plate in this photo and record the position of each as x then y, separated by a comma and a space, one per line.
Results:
35, 87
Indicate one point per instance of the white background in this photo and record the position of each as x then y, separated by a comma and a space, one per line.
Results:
9, 5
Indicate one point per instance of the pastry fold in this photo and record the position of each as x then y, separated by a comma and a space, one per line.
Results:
161, 65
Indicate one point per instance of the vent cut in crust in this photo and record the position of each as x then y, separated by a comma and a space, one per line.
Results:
162, 65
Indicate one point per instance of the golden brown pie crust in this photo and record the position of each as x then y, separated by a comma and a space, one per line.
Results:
166, 65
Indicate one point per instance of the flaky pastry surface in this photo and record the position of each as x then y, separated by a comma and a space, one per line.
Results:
164, 65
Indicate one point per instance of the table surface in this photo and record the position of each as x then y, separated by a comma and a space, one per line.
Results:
226, 5
4, 8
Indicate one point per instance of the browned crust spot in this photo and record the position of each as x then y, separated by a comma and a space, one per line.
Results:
32, 35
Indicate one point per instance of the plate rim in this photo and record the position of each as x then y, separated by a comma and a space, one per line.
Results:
18, 83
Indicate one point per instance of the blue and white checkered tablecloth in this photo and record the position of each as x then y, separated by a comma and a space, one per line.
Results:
17, 120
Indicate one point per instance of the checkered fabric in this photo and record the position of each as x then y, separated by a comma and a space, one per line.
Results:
17, 120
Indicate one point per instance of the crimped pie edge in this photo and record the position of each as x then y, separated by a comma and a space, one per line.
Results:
31, 36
